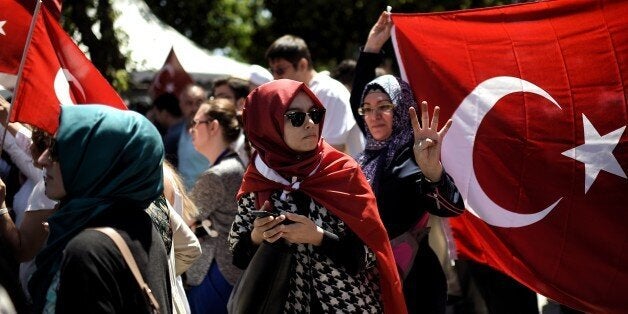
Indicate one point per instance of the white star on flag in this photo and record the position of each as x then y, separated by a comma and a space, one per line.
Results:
597, 153
1, 29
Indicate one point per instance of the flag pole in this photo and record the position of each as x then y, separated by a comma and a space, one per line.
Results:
21, 69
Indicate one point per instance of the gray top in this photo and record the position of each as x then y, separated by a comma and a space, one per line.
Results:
214, 194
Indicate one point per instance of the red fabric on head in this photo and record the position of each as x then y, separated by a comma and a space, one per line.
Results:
263, 123
338, 183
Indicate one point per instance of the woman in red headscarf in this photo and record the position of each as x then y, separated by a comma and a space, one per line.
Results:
321, 204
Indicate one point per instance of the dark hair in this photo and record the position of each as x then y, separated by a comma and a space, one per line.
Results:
239, 86
344, 72
41, 141
168, 102
224, 111
291, 48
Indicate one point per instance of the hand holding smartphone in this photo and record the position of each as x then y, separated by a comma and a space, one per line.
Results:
261, 213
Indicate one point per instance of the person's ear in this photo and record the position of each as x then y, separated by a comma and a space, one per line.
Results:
214, 125
303, 65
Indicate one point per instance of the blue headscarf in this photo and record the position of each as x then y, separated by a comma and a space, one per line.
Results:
378, 155
107, 156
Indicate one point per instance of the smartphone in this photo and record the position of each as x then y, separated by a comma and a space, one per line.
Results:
260, 213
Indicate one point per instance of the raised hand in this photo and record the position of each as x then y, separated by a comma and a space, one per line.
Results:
379, 34
428, 141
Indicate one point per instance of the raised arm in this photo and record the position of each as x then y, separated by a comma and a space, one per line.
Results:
370, 57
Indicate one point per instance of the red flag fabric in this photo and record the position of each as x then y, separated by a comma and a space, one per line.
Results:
54, 7
57, 72
172, 78
15, 19
538, 148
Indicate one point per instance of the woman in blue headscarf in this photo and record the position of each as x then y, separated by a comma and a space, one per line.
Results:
105, 167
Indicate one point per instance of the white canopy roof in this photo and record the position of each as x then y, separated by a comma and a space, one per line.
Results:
149, 42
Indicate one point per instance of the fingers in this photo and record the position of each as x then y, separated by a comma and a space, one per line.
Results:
445, 128
434, 125
415, 123
425, 115
273, 234
265, 205
383, 18
297, 218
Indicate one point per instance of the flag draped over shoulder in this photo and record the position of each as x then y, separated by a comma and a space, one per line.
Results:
172, 78
56, 72
538, 148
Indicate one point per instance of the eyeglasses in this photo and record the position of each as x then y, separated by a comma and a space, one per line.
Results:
196, 122
383, 107
297, 118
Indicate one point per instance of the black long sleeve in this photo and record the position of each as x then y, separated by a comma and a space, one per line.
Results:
364, 73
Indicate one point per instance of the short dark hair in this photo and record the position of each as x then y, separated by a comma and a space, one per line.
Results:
291, 48
344, 72
168, 102
239, 86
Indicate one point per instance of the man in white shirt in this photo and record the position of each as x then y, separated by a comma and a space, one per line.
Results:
289, 58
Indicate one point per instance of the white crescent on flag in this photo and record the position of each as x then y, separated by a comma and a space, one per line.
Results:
459, 142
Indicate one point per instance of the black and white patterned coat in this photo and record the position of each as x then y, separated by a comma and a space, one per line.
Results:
317, 281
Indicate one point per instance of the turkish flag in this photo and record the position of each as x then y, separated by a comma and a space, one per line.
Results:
54, 6
15, 19
538, 149
56, 72
172, 78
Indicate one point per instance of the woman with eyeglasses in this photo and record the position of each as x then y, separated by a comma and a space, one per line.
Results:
105, 168
318, 202
210, 279
402, 164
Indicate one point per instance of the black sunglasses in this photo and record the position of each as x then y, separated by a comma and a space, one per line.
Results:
297, 118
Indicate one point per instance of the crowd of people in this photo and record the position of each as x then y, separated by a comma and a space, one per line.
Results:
344, 173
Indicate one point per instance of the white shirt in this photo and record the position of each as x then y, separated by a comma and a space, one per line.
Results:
339, 120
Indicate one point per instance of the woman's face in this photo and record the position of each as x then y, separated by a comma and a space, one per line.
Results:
378, 114
199, 130
52, 173
303, 138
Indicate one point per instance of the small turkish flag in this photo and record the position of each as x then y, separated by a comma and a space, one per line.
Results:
538, 95
56, 72
172, 78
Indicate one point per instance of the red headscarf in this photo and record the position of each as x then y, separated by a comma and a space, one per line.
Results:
331, 178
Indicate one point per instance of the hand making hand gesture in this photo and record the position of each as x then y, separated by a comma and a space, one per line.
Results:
428, 141
379, 34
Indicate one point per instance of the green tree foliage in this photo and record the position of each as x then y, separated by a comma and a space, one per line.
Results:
243, 29
79, 17
228, 25
334, 30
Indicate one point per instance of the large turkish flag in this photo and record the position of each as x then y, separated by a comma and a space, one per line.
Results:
538, 148
56, 72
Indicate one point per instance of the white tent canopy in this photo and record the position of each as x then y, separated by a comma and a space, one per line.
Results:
149, 42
